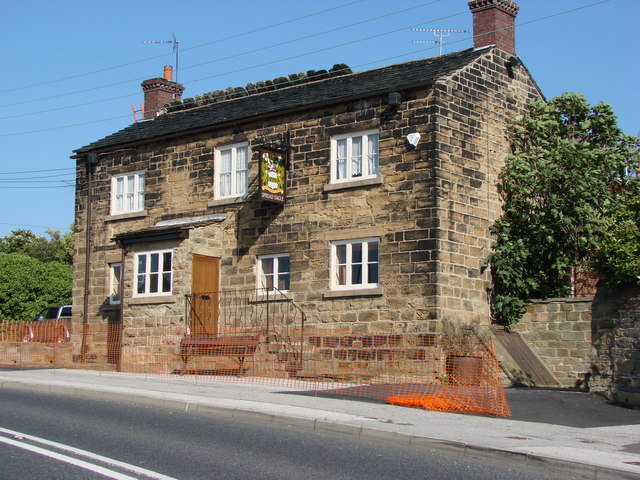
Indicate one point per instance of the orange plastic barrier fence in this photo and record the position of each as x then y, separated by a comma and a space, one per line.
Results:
57, 331
470, 382
422, 370
441, 373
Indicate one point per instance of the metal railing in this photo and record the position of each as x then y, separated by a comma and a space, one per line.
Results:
270, 316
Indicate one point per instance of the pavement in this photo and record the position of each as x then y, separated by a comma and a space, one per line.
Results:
566, 432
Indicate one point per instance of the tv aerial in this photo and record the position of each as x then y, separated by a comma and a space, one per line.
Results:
175, 43
438, 32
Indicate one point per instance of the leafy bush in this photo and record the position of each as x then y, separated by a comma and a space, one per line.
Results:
27, 285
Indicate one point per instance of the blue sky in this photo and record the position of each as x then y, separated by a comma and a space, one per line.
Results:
72, 69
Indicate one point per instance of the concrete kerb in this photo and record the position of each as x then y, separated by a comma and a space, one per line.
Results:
151, 398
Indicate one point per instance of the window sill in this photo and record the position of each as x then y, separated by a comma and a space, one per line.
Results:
331, 187
125, 216
356, 292
271, 298
228, 201
152, 300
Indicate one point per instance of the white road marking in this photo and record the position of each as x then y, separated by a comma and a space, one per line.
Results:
74, 461
64, 458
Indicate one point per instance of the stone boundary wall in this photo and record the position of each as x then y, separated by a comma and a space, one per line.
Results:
151, 349
36, 355
558, 330
616, 343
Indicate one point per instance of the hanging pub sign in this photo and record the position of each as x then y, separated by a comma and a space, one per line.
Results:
273, 177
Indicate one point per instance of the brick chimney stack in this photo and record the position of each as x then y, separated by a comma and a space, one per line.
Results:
494, 24
160, 91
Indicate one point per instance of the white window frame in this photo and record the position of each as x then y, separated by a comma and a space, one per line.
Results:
153, 280
343, 162
238, 184
346, 267
275, 274
115, 283
123, 190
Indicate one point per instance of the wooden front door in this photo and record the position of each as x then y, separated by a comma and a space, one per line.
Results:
205, 295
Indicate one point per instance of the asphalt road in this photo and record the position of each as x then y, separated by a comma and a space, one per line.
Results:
193, 446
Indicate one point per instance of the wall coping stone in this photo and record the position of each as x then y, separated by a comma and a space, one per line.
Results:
562, 300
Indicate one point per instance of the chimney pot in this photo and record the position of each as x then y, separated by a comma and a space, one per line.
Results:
168, 72
494, 24
160, 91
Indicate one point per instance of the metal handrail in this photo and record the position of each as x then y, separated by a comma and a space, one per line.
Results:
252, 312
248, 310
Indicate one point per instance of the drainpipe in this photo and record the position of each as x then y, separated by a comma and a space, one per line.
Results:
92, 160
120, 326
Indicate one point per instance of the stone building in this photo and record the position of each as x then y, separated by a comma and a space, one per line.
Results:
389, 194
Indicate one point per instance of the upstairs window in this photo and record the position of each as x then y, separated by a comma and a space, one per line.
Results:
355, 264
154, 273
127, 193
274, 272
354, 156
231, 168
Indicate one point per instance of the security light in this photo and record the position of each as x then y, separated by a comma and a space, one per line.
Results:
413, 139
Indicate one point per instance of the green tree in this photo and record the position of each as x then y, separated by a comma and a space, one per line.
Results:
617, 260
27, 285
566, 176
57, 248
18, 241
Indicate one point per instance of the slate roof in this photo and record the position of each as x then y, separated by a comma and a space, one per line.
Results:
329, 91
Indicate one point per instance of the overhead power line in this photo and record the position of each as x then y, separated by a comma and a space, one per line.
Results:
344, 44
324, 32
37, 171
22, 187
317, 51
35, 180
230, 37
32, 226
68, 179
234, 55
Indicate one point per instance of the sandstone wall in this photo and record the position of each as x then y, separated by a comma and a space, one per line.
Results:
36, 355
616, 340
558, 330
472, 111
